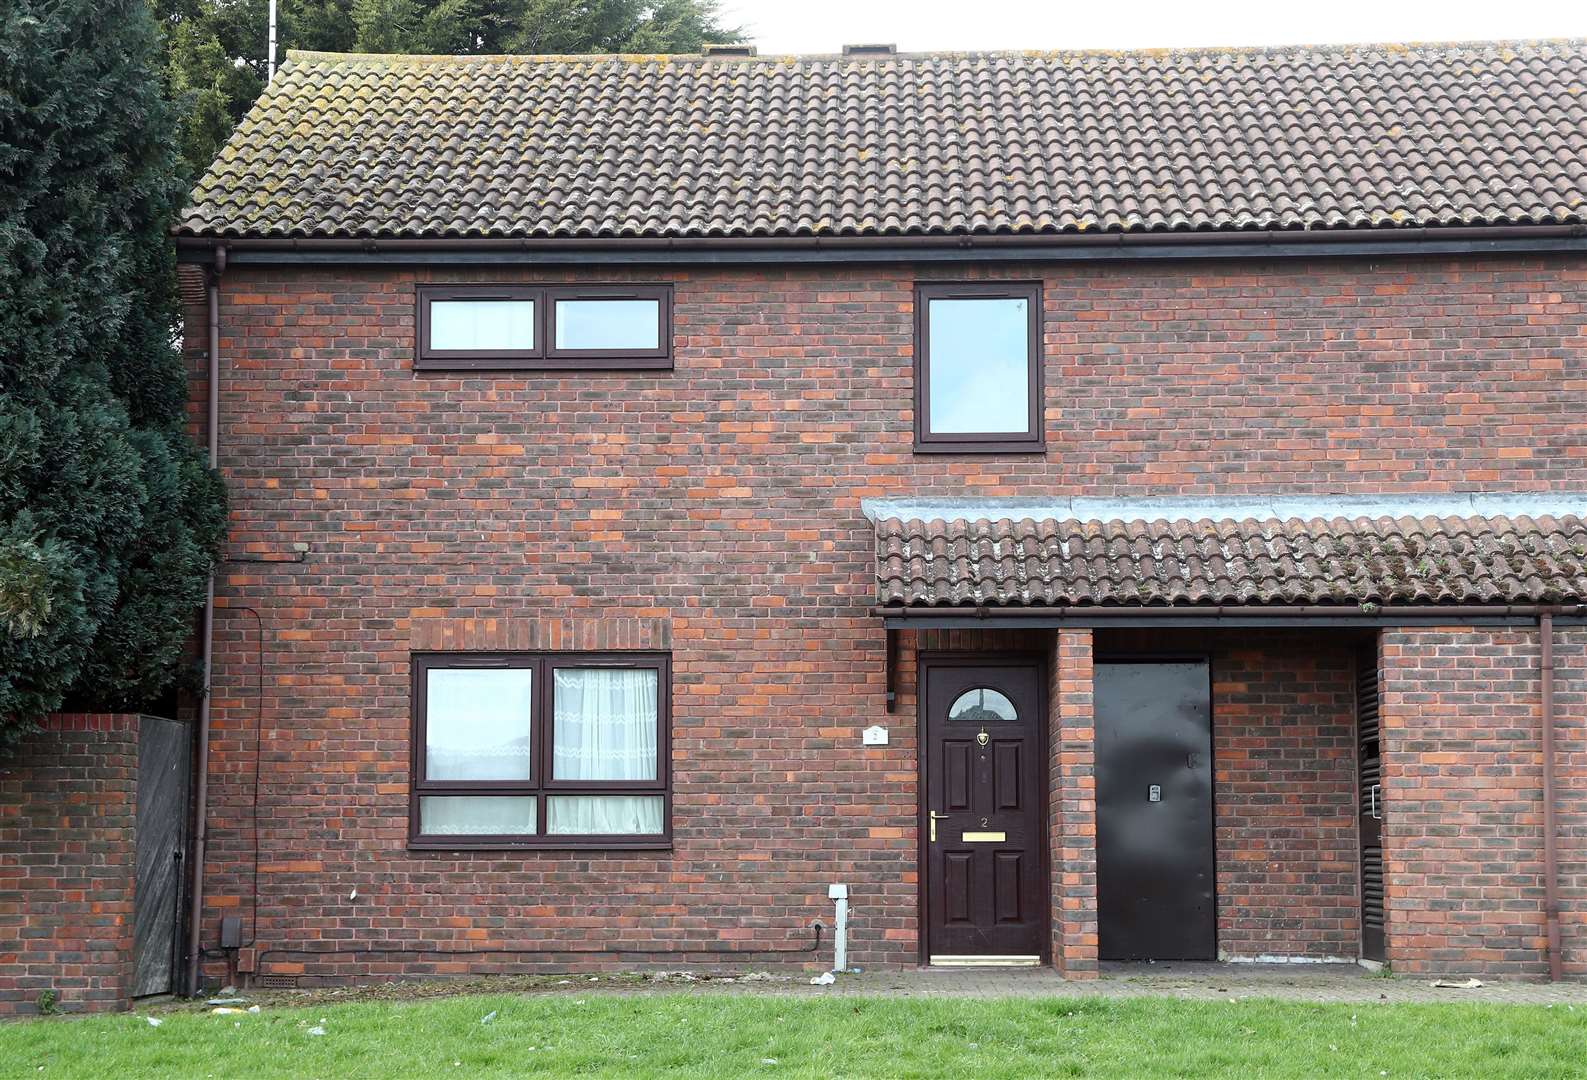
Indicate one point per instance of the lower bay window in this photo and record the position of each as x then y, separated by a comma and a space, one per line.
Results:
541, 750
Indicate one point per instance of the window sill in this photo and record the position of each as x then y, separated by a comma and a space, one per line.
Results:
980, 447
555, 363
437, 844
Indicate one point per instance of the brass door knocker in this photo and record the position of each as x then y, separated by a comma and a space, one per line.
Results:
983, 738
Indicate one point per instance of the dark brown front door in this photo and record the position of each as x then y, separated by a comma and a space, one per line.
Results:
986, 894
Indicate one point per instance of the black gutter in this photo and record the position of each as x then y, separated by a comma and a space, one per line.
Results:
1114, 247
1188, 620
1226, 615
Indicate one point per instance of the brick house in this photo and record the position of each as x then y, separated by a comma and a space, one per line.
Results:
1092, 506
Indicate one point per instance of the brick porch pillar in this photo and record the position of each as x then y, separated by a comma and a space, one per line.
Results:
1072, 817
1462, 801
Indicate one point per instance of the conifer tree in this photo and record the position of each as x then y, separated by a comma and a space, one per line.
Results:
109, 517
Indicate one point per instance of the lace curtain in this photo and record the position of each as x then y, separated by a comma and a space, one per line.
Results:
604, 729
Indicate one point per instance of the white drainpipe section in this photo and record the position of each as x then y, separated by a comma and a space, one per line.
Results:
839, 895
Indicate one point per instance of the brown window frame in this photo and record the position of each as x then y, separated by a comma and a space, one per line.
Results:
659, 357
545, 356
1033, 439
540, 782
425, 357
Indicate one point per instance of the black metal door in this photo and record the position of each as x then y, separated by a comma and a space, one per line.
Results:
1374, 939
1154, 812
986, 892
164, 757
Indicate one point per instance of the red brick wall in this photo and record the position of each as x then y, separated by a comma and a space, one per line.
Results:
1463, 804
1570, 749
1073, 807
721, 500
68, 806
1284, 783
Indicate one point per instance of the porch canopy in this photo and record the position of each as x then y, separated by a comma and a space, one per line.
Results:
1339, 560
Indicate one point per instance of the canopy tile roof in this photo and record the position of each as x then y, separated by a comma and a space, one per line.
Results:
1301, 138
1431, 560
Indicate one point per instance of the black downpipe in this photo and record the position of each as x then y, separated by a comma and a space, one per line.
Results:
195, 915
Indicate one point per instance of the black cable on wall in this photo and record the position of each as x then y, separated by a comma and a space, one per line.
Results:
813, 945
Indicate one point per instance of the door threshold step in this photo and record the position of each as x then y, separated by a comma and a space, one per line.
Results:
938, 960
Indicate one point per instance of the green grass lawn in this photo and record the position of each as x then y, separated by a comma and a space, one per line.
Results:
724, 1035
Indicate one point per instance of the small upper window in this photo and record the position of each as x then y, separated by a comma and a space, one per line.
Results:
978, 367
608, 324
488, 327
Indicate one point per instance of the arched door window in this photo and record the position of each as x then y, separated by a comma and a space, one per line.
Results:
982, 705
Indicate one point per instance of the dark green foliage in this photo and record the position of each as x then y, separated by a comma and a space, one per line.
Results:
214, 69
109, 518
215, 49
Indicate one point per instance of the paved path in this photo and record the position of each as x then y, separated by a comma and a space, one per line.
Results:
1206, 982
1343, 983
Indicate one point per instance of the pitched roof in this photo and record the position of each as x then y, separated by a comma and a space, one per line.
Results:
932, 144
1428, 560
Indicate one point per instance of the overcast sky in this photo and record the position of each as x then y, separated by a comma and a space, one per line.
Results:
812, 26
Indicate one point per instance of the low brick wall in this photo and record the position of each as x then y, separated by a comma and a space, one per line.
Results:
68, 804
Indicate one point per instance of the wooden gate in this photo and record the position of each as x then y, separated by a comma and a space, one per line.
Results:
164, 766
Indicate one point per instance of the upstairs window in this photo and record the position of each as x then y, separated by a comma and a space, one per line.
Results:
483, 324
540, 750
978, 377
506, 327
609, 322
